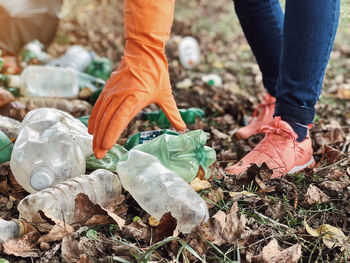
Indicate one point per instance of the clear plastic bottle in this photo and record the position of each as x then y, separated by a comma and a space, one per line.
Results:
45, 81
213, 80
10, 229
76, 57
158, 190
102, 187
51, 147
189, 52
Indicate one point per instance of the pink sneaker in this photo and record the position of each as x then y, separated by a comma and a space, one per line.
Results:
279, 150
262, 115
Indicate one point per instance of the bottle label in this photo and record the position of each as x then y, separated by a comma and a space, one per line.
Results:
147, 136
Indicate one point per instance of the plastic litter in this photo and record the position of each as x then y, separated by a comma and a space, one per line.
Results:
33, 53
213, 80
51, 147
9, 126
100, 68
5, 148
10, 229
189, 53
102, 187
159, 118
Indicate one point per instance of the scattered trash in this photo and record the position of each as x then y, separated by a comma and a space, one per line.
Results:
9, 126
145, 178
102, 187
10, 65
32, 53
13, 229
159, 118
76, 57
146, 136
183, 154
100, 68
47, 81
15, 110
51, 147
212, 80
5, 148
189, 53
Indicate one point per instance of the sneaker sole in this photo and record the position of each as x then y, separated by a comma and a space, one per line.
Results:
302, 167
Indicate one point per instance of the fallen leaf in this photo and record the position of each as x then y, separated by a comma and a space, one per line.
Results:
234, 224
199, 185
273, 253
333, 154
166, 227
238, 195
315, 196
275, 211
70, 249
335, 186
331, 236
23, 246
220, 135
5, 97
59, 230
214, 196
137, 230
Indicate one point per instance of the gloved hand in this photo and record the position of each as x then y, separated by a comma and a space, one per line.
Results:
142, 77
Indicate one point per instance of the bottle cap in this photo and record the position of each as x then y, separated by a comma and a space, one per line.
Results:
42, 177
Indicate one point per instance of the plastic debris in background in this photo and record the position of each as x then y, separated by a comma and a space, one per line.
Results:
100, 68
213, 80
5, 148
189, 52
159, 118
32, 53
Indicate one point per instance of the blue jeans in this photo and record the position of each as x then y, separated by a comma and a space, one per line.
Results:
292, 51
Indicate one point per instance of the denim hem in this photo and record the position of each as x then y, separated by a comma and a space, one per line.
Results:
294, 113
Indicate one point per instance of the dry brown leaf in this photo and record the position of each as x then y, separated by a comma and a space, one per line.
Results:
59, 230
234, 224
5, 97
335, 186
14, 110
8, 184
238, 195
137, 230
166, 227
273, 253
70, 249
220, 135
199, 185
315, 196
214, 197
23, 246
212, 230
275, 211
333, 154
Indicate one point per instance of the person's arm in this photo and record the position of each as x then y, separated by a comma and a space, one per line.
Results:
142, 77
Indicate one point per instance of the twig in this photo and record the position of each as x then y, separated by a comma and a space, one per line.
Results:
333, 164
274, 222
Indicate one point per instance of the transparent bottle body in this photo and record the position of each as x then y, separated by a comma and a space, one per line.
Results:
51, 147
102, 187
9, 126
46, 81
189, 53
9, 229
158, 190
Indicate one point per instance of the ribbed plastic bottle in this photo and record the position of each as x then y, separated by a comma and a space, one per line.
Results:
158, 190
9, 126
10, 229
51, 147
189, 53
102, 187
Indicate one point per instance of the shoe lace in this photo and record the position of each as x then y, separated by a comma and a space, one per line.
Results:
276, 144
262, 108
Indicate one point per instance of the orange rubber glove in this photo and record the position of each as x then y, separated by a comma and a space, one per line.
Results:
142, 77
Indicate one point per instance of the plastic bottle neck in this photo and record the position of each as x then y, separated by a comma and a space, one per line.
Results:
42, 177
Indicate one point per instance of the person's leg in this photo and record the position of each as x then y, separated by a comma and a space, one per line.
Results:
309, 30
262, 24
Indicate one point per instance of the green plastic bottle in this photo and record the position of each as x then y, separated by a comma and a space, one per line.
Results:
5, 148
145, 136
183, 153
109, 162
84, 119
100, 68
159, 118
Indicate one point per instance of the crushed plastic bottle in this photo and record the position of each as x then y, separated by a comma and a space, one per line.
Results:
189, 52
213, 80
9, 126
46, 81
184, 154
158, 190
145, 136
109, 162
5, 148
10, 229
102, 187
76, 57
51, 147
100, 68
159, 118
